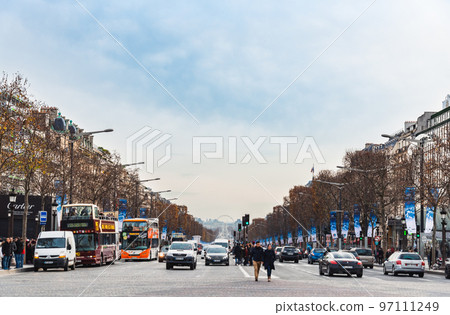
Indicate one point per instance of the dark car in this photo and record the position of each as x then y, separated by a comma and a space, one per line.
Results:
315, 254
354, 253
340, 262
217, 255
289, 253
162, 253
447, 271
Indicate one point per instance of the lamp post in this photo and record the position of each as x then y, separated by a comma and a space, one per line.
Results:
36, 219
444, 237
116, 209
404, 234
54, 213
155, 193
12, 202
136, 210
339, 186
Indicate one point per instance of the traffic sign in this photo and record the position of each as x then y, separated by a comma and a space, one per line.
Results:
43, 217
377, 238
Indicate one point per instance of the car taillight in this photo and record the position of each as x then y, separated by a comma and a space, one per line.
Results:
398, 262
423, 263
333, 262
359, 263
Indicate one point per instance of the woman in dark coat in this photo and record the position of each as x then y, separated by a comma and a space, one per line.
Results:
269, 260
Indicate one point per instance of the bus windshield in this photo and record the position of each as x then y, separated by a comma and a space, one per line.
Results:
85, 242
129, 226
77, 212
134, 242
59, 242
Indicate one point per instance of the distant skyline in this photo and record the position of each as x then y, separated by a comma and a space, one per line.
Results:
202, 68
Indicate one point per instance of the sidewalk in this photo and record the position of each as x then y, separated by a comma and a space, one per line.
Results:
431, 271
14, 270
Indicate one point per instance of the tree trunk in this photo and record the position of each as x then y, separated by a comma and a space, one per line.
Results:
433, 250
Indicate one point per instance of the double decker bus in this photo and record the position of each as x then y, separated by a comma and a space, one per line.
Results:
140, 239
96, 236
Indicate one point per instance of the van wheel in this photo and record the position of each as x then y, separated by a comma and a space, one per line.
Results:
45, 269
66, 266
192, 267
36, 269
73, 266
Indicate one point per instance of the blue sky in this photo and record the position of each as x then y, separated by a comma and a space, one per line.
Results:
225, 62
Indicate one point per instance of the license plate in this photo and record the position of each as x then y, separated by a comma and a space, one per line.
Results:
48, 262
179, 258
290, 254
216, 260
78, 260
348, 267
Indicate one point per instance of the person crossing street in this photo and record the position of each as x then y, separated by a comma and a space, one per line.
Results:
258, 258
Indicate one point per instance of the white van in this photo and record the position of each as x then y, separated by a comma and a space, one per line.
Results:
55, 249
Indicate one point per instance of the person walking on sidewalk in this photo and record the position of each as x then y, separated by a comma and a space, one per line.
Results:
269, 260
258, 258
18, 253
7, 251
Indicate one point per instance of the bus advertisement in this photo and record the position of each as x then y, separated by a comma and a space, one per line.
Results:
140, 239
96, 236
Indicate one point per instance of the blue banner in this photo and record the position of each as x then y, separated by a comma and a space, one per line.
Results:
164, 233
333, 225
142, 213
300, 235
290, 238
122, 212
313, 234
357, 224
410, 210
59, 208
372, 224
345, 224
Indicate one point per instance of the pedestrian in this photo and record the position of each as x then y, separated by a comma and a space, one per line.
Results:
269, 260
258, 258
237, 251
18, 253
380, 255
7, 251
429, 257
246, 254
250, 257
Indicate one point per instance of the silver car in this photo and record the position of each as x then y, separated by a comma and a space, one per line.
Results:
366, 256
403, 262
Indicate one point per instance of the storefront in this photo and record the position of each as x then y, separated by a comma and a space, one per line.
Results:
34, 207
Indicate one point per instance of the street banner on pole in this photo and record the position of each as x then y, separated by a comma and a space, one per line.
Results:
429, 220
300, 235
313, 234
164, 233
372, 223
328, 240
122, 212
333, 224
357, 224
281, 239
345, 224
410, 210
290, 238
142, 213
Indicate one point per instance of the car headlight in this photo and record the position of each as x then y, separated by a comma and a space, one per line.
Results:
62, 256
36, 256
207, 256
224, 257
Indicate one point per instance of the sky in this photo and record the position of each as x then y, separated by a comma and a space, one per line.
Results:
330, 75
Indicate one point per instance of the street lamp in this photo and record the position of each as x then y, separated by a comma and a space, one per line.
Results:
339, 186
12, 201
403, 221
36, 219
54, 212
444, 237
153, 193
136, 211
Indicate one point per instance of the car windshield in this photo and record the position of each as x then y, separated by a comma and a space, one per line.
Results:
319, 250
217, 250
181, 246
289, 249
364, 252
59, 242
343, 255
224, 245
165, 249
353, 253
278, 249
409, 257
85, 242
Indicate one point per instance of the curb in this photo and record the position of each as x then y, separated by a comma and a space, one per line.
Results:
12, 271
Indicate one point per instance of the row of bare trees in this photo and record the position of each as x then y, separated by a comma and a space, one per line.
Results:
37, 160
376, 181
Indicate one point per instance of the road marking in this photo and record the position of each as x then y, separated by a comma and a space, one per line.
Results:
244, 272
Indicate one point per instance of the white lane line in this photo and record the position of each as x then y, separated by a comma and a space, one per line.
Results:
244, 272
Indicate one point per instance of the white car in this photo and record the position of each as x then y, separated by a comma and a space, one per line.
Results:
403, 262
181, 254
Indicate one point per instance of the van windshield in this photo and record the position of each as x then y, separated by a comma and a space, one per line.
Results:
59, 242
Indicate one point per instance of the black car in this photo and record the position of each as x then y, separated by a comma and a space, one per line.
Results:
340, 262
289, 253
447, 271
217, 255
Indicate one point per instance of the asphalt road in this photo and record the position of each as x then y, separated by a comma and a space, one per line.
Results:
153, 280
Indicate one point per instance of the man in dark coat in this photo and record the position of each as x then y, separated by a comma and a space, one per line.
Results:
237, 253
18, 253
269, 260
258, 258
7, 251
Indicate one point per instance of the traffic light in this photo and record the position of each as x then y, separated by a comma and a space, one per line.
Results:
418, 231
360, 238
405, 232
239, 227
247, 220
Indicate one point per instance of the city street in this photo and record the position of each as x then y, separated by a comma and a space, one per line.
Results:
151, 279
